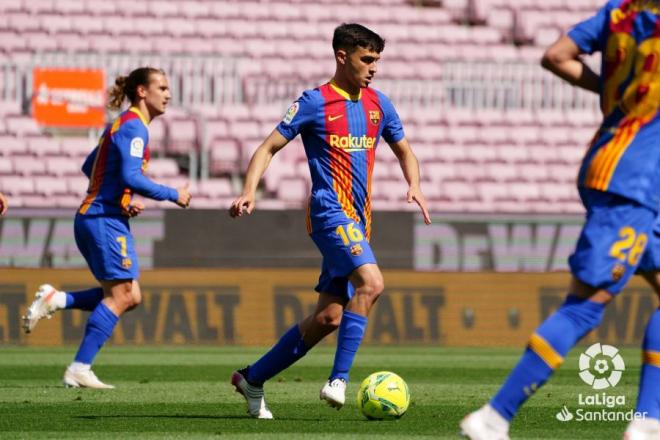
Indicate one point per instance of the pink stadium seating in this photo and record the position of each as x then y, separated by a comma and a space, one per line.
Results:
162, 167
6, 166
49, 186
216, 188
78, 147
26, 166
10, 144
43, 146
183, 136
63, 166
474, 159
225, 155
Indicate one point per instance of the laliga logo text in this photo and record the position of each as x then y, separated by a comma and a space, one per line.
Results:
601, 367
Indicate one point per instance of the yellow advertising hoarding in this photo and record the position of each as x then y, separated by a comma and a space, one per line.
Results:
254, 306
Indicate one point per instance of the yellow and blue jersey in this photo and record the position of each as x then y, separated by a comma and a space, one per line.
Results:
340, 133
624, 156
116, 168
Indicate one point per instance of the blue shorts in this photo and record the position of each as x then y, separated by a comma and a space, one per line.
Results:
616, 241
344, 249
107, 245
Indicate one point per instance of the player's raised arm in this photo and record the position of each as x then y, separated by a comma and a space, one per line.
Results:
258, 164
563, 59
410, 167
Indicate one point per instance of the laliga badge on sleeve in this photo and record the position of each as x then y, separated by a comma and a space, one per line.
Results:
291, 112
137, 147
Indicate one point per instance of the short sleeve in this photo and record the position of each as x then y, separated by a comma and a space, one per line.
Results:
302, 112
392, 127
589, 34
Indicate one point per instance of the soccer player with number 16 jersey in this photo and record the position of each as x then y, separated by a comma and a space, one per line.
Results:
340, 123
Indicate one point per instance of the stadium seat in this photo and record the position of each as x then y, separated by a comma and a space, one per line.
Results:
225, 156
50, 186
43, 146
216, 188
10, 145
183, 136
6, 166
78, 147
27, 166
62, 166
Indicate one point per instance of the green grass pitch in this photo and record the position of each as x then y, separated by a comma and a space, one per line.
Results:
184, 392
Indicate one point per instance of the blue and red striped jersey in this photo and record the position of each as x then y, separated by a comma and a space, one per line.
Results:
340, 133
624, 157
116, 168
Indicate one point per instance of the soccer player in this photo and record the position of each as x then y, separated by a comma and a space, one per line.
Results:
618, 183
3, 204
116, 170
340, 123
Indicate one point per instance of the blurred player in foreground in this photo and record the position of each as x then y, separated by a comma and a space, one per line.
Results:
618, 184
116, 170
3, 204
340, 123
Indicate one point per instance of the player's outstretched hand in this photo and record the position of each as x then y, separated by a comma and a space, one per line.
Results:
135, 208
242, 205
415, 194
184, 196
3, 204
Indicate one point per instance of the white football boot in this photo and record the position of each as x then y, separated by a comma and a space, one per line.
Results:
254, 396
334, 393
47, 300
83, 378
643, 429
485, 424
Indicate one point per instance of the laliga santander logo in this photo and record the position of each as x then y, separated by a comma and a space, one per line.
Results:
601, 366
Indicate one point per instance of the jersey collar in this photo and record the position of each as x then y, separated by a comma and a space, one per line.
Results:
344, 93
137, 112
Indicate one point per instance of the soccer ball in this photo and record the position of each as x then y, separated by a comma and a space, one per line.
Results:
383, 395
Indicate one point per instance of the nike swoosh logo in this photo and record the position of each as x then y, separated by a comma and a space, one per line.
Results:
332, 118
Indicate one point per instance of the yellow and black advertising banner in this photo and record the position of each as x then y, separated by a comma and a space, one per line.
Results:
254, 306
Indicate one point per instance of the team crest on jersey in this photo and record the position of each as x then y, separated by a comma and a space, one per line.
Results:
291, 113
374, 116
356, 250
126, 263
618, 271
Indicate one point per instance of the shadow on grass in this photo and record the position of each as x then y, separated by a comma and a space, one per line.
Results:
208, 417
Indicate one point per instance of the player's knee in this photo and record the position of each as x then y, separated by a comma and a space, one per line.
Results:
125, 298
372, 289
328, 321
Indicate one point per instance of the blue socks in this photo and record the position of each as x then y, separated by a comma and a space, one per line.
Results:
84, 299
99, 328
649, 382
291, 347
351, 332
284, 353
545, 352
